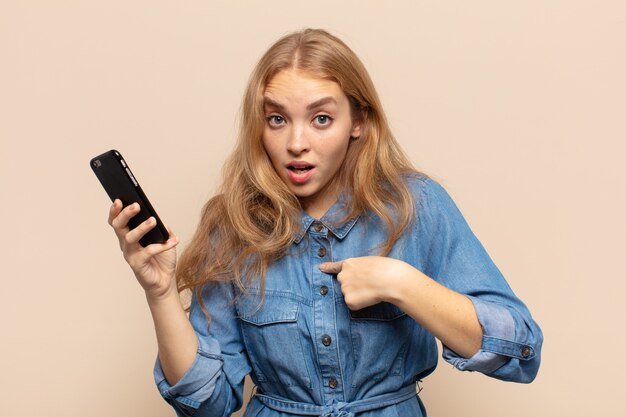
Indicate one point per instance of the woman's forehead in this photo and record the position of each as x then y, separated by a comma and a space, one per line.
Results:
300, 87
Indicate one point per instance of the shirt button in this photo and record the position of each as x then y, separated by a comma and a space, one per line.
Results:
326, 340
332, 383
525, 351
323, 290
318, 226
321, 252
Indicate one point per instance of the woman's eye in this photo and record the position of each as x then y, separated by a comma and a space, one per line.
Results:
322, 120
275, 120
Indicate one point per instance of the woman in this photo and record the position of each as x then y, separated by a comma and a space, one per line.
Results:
326, 265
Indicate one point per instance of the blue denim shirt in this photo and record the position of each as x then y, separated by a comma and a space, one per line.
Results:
308, 354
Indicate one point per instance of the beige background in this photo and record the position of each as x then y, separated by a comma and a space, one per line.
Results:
518, 108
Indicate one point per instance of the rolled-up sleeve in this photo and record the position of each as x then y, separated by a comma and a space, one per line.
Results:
511, 344
502, 354
213, 385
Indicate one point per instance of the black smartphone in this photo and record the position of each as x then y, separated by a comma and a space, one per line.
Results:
119, 182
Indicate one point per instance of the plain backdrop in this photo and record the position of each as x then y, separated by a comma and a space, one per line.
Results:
517, 108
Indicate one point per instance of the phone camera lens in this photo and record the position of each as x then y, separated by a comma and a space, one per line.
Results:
97, 163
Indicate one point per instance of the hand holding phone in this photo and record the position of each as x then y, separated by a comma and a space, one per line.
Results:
154, 265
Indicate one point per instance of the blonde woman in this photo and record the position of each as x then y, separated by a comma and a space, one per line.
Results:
326, 265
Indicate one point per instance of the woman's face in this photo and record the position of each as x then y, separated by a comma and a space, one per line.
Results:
308, 125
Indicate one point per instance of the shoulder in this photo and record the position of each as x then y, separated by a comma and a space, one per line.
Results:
426, 191
433, 204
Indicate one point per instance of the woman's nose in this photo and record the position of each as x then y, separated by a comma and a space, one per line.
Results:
298, 141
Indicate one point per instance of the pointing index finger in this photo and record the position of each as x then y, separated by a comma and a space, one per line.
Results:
331, 267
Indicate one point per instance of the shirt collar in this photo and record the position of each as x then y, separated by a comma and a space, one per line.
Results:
331, 220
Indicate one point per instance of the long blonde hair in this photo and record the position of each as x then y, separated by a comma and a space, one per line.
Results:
254, 217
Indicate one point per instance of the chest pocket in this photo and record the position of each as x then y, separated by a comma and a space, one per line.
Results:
380, 337
273, 339
380, 311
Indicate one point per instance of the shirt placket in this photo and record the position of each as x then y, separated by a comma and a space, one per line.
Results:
325, 314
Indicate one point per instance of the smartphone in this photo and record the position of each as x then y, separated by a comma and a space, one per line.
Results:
119, 182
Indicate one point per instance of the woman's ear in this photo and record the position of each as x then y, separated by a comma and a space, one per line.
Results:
359, 118
356, 130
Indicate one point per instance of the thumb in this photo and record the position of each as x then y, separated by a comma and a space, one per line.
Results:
331, 267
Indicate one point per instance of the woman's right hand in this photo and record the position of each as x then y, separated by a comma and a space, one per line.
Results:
155, 265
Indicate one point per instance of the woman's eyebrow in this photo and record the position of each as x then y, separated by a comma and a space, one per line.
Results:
271, 103
321, 102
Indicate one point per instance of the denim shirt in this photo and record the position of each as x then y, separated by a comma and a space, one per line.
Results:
308, 354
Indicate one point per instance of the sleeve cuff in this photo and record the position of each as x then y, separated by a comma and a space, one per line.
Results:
498, 345
199, 382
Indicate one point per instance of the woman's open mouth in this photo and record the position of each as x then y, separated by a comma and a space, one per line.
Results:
299, 171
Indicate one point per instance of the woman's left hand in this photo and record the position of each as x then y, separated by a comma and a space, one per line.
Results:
368, 280
448, 315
